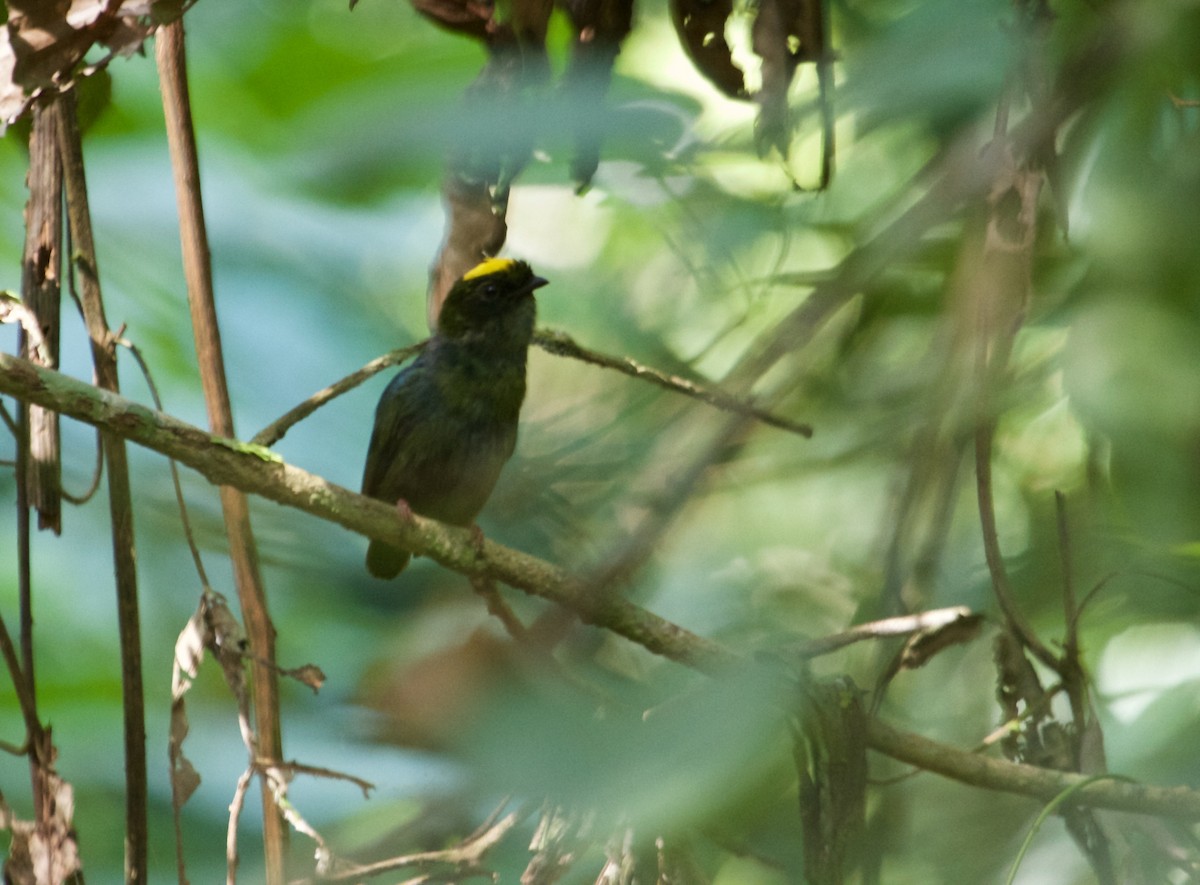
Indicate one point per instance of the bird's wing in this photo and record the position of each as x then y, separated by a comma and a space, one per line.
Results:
402, 410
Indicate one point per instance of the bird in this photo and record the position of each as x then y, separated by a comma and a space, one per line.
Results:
447, 423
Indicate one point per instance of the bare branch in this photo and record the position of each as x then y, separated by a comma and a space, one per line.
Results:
1030, 780
259, 471
562, 344
275, 431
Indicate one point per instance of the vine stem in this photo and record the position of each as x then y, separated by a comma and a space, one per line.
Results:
119, 494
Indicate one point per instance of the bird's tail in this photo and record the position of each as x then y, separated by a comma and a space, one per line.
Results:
385, 561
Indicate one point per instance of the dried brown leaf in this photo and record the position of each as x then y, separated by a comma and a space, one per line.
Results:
43, 853
189, 652
49, 39
13, 310
600, 26
185, 780
190, 646
310, 675
785, 33
530, 20
46, 41
926, 643
472, 18
700, 25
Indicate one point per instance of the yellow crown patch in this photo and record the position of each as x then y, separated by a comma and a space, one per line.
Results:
489, 266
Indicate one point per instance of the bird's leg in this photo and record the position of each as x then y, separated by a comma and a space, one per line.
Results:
405, 512
477, 540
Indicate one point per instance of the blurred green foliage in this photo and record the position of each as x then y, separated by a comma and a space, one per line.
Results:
322, 137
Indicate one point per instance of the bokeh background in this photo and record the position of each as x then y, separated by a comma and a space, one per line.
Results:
323, 134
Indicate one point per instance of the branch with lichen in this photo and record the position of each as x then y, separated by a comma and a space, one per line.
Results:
260, 471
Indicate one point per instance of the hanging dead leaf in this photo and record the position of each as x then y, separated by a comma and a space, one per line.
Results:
190, 646
600, 26
185, 780
43, 853
785, 34
772, 41
13, 310
45, 42
49, 39
530, 21
926, 643
472, 18
700, 25
189, 652
310, 675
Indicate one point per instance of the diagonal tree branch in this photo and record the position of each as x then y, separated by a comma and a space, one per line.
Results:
1030, 780
259, 471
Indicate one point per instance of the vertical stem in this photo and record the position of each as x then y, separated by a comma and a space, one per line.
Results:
41, 274
1074, 680
38, 463
119, 495
1070, 609
22, 671
172, 68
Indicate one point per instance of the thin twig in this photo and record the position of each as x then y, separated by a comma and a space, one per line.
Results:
97, 474
486, 588
551, 341
1029, 780
25, 587
1070, 611
25, 699
991, 549
562, 344
317, 771
465, 856
235, 812
901, 625
186, 521
7, 418
275, 431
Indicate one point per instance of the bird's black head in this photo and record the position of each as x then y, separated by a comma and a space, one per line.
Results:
494, 301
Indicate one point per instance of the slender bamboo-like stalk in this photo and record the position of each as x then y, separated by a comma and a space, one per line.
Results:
197, 266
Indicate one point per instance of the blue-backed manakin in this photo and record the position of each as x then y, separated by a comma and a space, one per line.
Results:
447, 423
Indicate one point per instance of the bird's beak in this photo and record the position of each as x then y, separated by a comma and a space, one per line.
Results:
535, 283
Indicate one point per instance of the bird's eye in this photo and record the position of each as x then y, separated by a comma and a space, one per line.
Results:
490, 291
